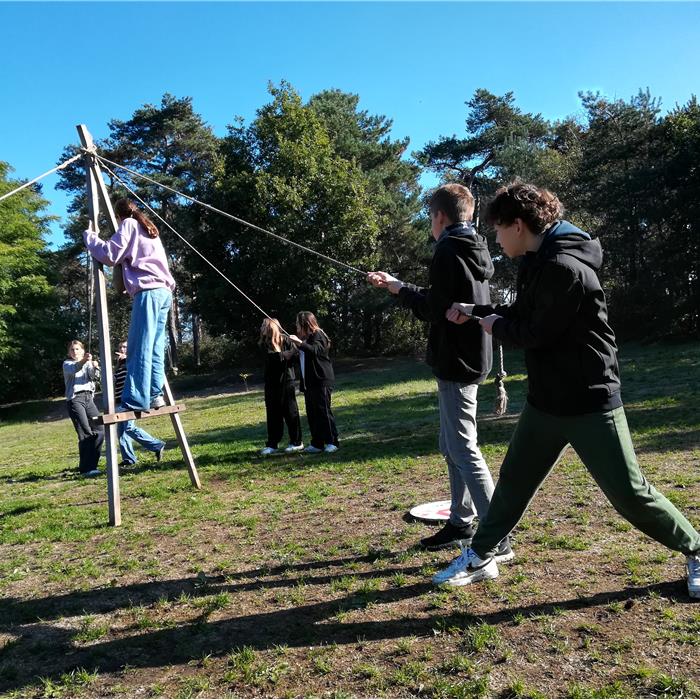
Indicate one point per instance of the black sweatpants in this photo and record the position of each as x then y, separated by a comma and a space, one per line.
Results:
81, 408
281, 407
320, 416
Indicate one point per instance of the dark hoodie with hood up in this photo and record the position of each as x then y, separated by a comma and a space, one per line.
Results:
459, 270
560, 318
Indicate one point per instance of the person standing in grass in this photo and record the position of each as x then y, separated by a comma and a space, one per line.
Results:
136, 245
460, 356
316, 382
80, 372
128, 430
280, 393
560, 318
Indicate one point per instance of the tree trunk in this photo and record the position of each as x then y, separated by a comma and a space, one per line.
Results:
196, 338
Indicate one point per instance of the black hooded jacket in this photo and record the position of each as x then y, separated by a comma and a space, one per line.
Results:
318, 368
459, 270
560, 318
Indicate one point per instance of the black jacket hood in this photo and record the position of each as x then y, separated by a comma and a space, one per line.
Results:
563, 238
471, 247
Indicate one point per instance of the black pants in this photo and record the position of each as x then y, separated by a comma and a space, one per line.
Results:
320, 416
281, 407
81, 408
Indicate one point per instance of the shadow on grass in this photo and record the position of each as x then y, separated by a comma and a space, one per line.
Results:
314, 624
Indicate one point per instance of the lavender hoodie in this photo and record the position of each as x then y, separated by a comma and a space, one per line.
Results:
143, 258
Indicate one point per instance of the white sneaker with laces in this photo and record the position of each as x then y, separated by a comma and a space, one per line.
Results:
267, 451
693, 567
158, 402
330, 448
294, 448
467, 568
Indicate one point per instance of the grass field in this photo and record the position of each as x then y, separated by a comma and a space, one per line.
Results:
297, 575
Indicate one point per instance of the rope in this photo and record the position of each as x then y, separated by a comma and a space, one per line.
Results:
184, 240
104, 160
502, 398
39, 177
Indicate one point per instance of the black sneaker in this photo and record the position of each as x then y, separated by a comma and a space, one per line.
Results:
504, 553
449, 535
159, 453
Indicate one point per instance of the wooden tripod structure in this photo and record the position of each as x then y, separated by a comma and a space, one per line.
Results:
97, 193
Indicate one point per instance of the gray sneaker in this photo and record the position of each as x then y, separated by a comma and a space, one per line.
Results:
158, 402
504, 553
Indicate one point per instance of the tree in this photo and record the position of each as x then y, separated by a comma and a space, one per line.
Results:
32, 330
618, 175
502, 142
282, 173
394, 193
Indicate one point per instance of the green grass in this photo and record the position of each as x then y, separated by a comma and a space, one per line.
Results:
296, 575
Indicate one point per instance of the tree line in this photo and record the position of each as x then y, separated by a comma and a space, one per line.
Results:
329, 175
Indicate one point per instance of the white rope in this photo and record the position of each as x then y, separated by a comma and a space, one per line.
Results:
43, 175
184, 240
104, 160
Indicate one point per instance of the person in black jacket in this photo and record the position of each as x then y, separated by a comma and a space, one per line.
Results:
560, 318
316, 382
460, 355
280, 399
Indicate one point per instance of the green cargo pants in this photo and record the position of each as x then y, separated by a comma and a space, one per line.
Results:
603, 442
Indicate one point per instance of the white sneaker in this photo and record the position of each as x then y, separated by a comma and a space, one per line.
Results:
158, 402
311, 450
330, 448
294, 448
693, 566
268, 451
467, 568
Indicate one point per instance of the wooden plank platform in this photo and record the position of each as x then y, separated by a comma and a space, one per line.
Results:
110, 418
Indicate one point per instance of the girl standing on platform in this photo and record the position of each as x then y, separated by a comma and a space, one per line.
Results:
280, 399
317, 379
137, 247
79, 374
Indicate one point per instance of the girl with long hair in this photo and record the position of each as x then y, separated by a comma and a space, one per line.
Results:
280, 398
317, 378
136, 246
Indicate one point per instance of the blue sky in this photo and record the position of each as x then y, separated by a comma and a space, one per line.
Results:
66, 63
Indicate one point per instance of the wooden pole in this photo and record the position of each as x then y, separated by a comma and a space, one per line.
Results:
182, 438
113, 498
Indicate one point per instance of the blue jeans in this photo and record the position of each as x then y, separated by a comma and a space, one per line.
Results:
145, 363
128, 431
